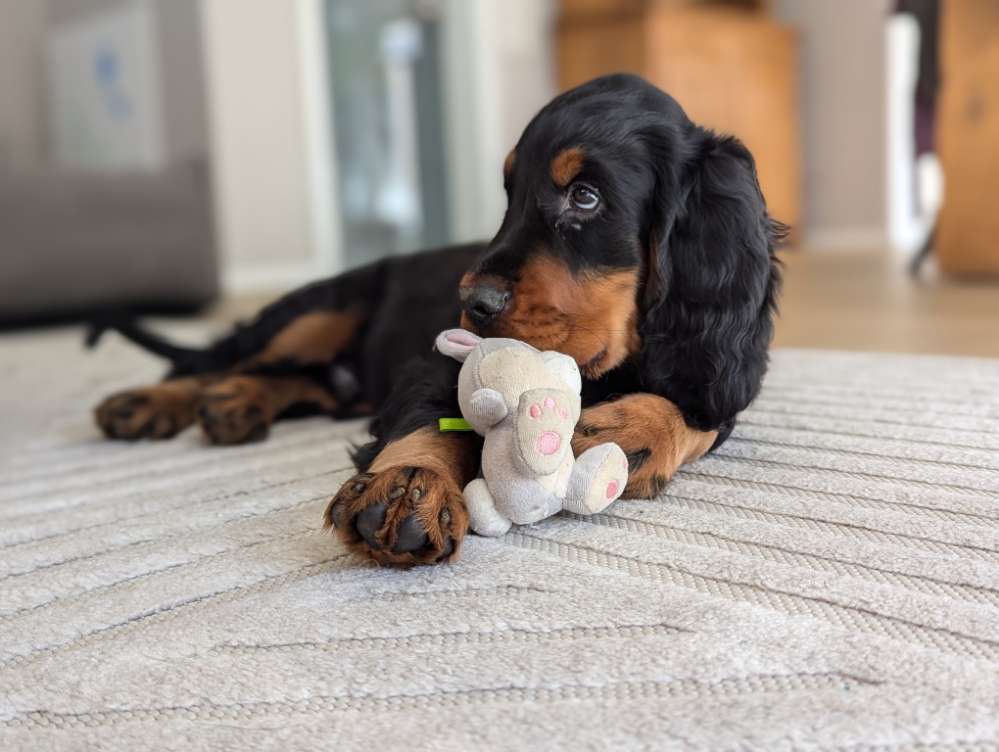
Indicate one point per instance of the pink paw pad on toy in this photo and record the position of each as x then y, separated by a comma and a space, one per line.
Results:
549, 443
612, 489
537, 410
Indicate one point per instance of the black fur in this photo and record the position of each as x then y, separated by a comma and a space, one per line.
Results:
708, 326
681, 206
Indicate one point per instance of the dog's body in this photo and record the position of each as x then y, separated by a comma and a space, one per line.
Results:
635, 241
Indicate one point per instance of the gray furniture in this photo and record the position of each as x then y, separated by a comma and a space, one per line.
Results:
73, 243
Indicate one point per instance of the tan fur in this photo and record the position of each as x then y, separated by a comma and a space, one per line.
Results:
592, 318
566, 165
444, 453
311, 338
508, 162
644, 424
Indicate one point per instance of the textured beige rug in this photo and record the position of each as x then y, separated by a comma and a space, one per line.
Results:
828, 580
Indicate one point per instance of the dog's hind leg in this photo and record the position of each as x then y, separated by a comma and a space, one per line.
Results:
240, 403
231, 408
241, 408
284, 353
153, 412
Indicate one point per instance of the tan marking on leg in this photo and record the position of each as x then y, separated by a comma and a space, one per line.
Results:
311, 338
566, 165
447, 454
650, 430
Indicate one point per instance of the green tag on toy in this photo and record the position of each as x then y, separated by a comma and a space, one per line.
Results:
453, 424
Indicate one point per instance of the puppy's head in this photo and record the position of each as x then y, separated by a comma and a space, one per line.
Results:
626, 224
566, 268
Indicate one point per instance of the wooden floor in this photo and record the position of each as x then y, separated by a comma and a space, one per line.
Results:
852, 300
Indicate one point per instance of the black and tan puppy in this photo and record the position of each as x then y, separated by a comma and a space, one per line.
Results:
634, 240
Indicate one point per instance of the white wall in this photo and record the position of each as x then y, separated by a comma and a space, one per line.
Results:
523, 48
271, 133
500, 58
263, 160
843, 118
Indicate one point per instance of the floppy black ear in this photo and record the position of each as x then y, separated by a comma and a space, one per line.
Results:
711, 281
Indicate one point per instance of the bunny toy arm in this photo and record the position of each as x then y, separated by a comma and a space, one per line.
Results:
486, 408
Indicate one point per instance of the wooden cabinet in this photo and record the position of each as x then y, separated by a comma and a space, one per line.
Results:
732, 70
968, 116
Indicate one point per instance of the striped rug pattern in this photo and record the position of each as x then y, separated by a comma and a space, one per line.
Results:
829, 579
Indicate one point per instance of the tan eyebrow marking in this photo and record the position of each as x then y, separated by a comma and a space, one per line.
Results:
567, 164
508, 162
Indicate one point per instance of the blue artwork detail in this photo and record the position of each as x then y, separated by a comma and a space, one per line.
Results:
106, 66
107, 73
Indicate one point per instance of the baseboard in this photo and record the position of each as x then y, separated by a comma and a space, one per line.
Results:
240, 279
840, 238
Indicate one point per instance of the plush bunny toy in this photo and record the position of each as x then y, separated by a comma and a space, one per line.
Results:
526, 404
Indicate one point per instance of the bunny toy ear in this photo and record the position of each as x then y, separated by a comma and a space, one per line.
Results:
457, 343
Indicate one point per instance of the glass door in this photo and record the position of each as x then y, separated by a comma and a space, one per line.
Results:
388, 120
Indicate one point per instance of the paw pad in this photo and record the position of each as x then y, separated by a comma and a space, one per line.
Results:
612, 489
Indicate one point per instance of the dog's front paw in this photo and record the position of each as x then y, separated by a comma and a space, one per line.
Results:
400, 516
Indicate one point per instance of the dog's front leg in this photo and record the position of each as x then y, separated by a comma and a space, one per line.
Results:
653, 434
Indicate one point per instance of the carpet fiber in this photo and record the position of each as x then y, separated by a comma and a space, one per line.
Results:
829, 579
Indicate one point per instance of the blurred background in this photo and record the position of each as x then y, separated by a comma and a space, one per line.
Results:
205, 155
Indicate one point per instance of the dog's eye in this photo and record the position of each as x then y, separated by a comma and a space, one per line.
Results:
584, 198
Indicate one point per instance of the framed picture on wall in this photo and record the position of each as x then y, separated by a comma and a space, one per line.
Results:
105, 92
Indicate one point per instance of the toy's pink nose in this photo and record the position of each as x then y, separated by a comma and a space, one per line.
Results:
549, 442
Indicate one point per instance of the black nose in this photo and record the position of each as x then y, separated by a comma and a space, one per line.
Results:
483, 303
